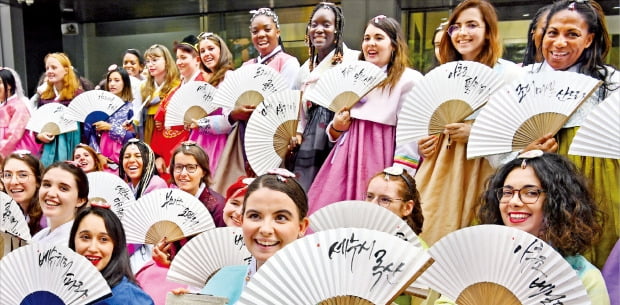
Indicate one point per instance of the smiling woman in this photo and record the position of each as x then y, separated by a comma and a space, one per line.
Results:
63, 193
191, 173
365, 135
273, 216
21, 178
98, 235
559, 208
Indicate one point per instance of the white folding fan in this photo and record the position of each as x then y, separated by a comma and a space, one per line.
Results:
337, 266
13, 220
108, 188
50, 118
249, 85
345, 84
216, 248
599, 134
93, 106
270, 129
41, 273
170, 213
193, 100
493, 264
447, 94
525, 110
362, 214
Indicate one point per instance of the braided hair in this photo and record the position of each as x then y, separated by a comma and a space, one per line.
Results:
338, 41
265, 11
148, 165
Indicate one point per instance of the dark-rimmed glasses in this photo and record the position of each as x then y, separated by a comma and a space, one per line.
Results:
527, 194
191, 168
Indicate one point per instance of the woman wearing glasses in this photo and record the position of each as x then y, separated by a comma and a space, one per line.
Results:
190, 172
394, 189
21, 178
576, 39
450, 183
545, 195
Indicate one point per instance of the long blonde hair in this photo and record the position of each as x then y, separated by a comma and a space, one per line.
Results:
172, 78
70, 81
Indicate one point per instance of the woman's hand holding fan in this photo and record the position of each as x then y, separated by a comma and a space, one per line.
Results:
458, 132
428, 146
45, 137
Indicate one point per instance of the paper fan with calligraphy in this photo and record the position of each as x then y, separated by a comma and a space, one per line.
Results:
337, 266
447, 94
41, 273
249, 85
527, 109
170, 213
362, 214
345, 84
216, 248
493, 264
50, 118
108, 189
191, 101
599, 134
93, 106
270, 129
13, 219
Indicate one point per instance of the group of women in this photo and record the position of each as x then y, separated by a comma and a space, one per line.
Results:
345, 155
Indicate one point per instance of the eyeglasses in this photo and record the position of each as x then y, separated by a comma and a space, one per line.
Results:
383, 201
468, 28
527, 194
20, 176
191, 168
153, 59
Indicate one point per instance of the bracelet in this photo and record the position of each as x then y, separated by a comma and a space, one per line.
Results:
336, 130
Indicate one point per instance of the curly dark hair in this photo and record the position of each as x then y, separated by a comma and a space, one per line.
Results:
572, 221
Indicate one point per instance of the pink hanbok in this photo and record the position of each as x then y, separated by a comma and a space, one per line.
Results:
14, 116
365, 149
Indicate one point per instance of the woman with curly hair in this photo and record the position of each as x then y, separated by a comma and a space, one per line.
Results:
545, 195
